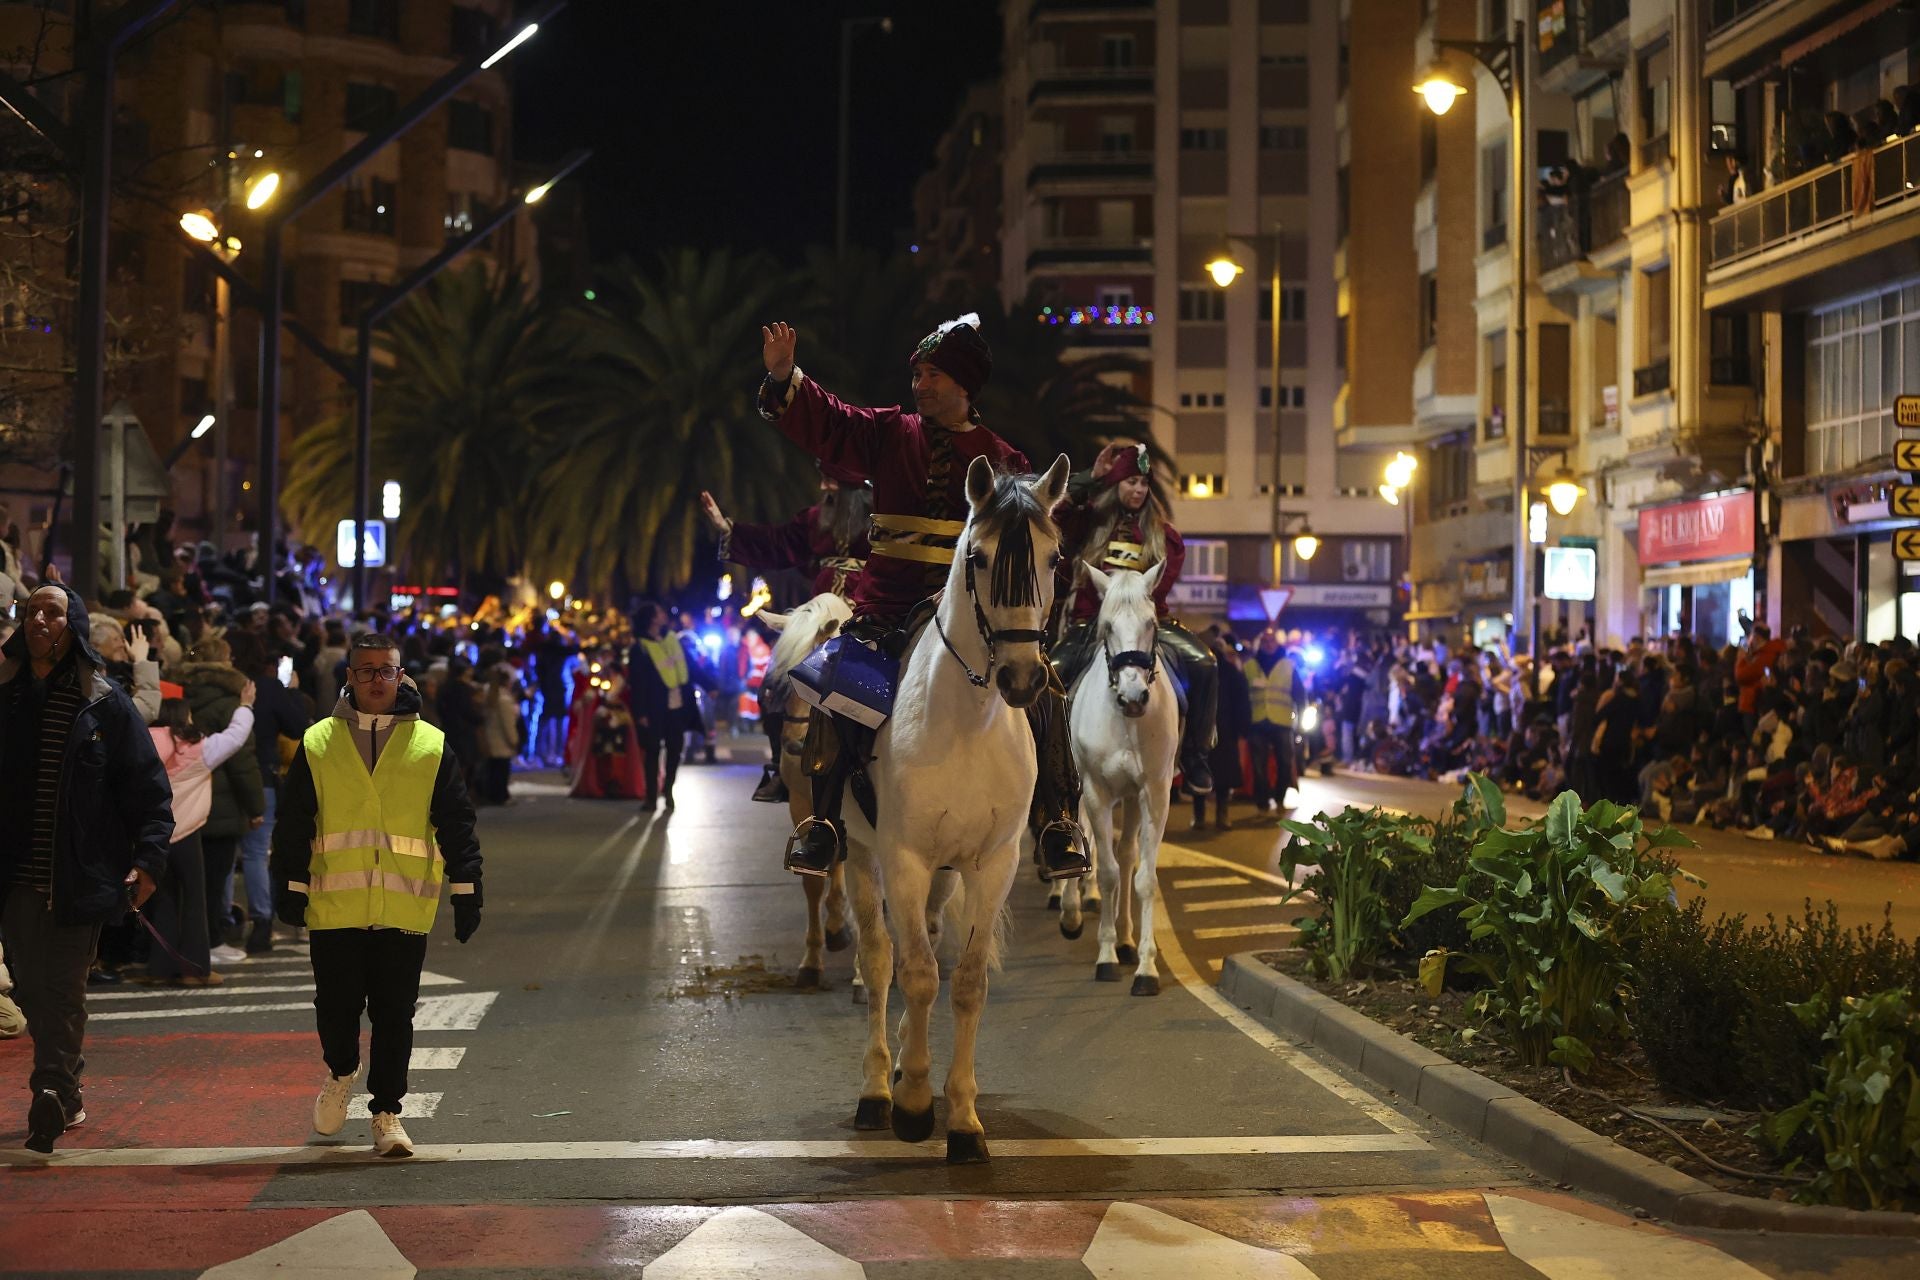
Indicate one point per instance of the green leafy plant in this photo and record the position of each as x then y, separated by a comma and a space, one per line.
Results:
1865, 1110
1349, 857
1479, 809
1559, 902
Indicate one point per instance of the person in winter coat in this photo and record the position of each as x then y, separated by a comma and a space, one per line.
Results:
660, 691
130, 664
179, 915
461, 718
1235, 716
85, 821
499, 731
374, 817
213, 686
1618, 715
280, 716
1750, 670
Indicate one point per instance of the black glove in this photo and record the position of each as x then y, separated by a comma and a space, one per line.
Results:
290, 907
466, 915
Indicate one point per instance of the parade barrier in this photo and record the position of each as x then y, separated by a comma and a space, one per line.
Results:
1550, 1145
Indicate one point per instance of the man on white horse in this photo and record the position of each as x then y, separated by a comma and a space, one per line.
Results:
1118, 520
827, 542
917, 463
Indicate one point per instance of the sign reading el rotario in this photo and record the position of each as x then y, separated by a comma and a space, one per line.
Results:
1716, 528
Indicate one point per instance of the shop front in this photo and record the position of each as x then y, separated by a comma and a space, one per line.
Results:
1486, 599
1838, 571
1696, 567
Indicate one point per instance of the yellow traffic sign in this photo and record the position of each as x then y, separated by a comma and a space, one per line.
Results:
1904, 500
1906, 544
1906, 455
1906, 411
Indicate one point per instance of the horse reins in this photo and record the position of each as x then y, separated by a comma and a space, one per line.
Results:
1148, 660
1018, 635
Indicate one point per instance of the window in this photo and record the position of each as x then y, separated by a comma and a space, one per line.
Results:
1729, 363
1115, 295
1116, 134
377, 18
263, 87
1290, 397
1203, 399
1293, 303
1206, 560
1493, 186
1658, 286
1656, 102
369, 106
470, 127
1554, 380
356, 296
459, 218
1429, 310
369, 206
473, 32
1860, 355
292, 96
1366, 560
1494, 426
1203, 486
1449, 472
1283, 137
1203, 139
1203, 303
1116, 50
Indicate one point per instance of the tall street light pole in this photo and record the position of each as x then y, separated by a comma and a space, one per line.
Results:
273, 279
849, 27
363, 356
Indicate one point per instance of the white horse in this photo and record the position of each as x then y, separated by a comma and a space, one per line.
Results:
1125, 738
953, 776
801, 632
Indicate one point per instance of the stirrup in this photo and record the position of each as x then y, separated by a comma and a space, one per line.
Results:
798, 839
1076, 837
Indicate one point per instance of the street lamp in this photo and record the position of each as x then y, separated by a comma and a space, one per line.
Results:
199, 225
261, 189
1506, 61
1564, 491
1224, 271
1305, 542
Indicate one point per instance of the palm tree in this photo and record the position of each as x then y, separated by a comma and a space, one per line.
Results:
666, 361
460, 414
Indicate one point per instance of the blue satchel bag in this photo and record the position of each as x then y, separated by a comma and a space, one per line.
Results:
849, 678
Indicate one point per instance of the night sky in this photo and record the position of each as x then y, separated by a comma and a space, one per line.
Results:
713, 121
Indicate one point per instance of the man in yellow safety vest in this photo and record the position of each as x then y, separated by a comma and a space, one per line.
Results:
1274, 687
373, 818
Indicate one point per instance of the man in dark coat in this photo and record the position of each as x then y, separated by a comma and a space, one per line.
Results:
86, 816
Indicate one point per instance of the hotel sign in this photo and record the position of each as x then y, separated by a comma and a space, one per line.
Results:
1704, 529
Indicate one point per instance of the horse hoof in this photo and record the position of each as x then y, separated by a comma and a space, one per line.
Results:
873, 1114
1053, 902
966, 1148
1106, 973
1128, 955
808, 979
1146, 984
839, 939
913, 1126
1073, 934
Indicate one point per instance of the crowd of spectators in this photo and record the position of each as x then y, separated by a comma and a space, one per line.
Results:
1791, 738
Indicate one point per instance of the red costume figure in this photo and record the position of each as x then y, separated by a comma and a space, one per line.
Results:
610, 769
827, 542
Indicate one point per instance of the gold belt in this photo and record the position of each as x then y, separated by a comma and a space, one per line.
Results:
920, 538
1126, 555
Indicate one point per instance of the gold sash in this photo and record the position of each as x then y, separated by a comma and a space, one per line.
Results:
1126, 555
920, 538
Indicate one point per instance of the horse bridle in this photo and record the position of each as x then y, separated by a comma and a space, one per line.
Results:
1017, 635
1148, 660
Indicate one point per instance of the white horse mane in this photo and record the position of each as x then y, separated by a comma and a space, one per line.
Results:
800, 631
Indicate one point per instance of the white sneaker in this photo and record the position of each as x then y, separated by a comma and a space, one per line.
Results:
1880, 848
330, 1108
389, 1137
1760, 833
224, 954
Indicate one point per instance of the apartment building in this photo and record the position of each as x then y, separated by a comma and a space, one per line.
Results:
1143, 141
222, 94
956, 203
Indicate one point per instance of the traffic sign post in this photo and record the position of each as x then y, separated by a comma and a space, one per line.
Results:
1274, 599
1906, 411
1906, 544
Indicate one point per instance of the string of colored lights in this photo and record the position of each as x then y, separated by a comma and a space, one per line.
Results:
1119, 317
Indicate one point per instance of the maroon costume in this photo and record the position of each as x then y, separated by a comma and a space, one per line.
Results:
802, 543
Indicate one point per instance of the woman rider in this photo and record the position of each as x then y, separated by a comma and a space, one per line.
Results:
1117, 519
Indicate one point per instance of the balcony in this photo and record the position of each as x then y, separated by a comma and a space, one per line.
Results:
1575, 52
1089, 251
1653, 378
1097, 83
1569, 232
1090, 167
1818, 200
1725, 13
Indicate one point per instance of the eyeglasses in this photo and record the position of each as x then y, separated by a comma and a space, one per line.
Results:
367, 675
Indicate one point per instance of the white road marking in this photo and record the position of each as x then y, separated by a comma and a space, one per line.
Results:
1566, 1246
1212, 882
415, 1106
880, 1147
1243, 930
440, 1058
1339, 1086
351, 1244
199, 1011
1215, 963
1232, 904
744, 1243
1138, 1243
453, 1013
240, 989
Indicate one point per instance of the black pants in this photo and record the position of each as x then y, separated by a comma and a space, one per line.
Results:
1271, 744
378, 971
499, 779
49, 961
660, 746
178, 913
219, 853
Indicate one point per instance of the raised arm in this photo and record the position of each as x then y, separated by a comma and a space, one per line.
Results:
833, 431
788, 545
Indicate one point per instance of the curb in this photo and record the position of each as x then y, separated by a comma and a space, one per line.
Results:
1517, 1127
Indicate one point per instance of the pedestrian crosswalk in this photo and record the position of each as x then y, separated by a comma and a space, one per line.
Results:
1217, 906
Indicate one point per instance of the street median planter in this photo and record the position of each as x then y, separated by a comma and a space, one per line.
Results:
1487, 1111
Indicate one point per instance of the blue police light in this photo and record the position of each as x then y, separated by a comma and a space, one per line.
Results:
711, 640
1313, 655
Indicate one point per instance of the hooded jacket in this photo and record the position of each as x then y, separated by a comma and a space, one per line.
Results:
239, 796
115, 810
297, 819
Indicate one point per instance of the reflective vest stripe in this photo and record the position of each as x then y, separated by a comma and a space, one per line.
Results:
334, 881
374, 861
1271, 692
376, 840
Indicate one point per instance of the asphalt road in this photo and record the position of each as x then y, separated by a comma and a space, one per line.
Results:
620, 1055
